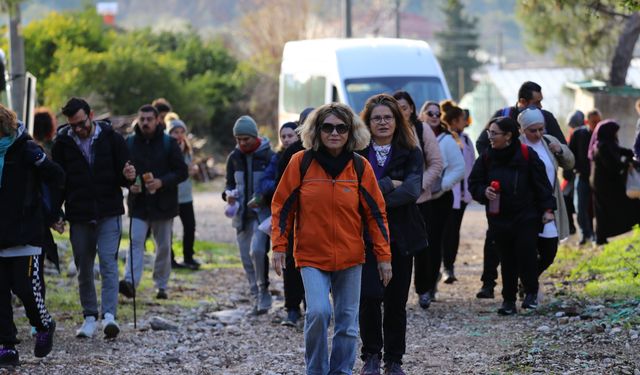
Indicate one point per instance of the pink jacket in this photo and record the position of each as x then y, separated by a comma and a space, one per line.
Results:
433, 163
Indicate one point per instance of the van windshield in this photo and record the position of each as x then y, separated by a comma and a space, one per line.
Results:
421, 89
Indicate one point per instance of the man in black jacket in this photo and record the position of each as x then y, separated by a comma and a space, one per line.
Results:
529, 95
153, 203
95, 160
24, 169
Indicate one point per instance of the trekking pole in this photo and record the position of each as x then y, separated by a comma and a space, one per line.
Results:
133, 281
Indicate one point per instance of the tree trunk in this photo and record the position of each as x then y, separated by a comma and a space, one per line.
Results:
624, 50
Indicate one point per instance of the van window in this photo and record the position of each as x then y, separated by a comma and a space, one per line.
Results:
421, 89
302, 91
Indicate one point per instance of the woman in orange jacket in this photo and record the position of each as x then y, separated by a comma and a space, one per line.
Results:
333, 196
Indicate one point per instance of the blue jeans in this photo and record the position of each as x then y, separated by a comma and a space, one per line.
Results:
583, 206
102, 237
344, 286
253, 245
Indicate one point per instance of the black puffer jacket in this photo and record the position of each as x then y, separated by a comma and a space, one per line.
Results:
92, 192
525, 189
26, 170
150, 155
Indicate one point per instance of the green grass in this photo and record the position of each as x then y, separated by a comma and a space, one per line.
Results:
610, 272
186, 291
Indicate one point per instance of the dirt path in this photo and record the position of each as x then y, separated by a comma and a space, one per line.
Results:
457, 335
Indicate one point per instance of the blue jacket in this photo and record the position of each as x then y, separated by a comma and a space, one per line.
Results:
244, 172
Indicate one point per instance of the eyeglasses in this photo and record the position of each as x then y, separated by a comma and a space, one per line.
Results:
534, 131
433, 114
493, 134
79, 124
380, 119
329, 128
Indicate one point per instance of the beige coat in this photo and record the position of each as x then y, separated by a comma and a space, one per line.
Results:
565, 160
433, 163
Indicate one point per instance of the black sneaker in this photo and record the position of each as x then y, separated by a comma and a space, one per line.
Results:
162, 294
292, 318
485, 292
192, 264
507, 308
9, 357
44, 341
530, 301
449, 277
424, 300
371, 365
176, 265
393, 368
126, 288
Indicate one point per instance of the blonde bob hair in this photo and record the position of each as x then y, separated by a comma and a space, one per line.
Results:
359, 135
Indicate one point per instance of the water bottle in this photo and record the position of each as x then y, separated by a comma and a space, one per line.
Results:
494, 205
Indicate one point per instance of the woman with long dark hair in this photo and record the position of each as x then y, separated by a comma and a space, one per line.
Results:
436, 210
397, 163
511, 181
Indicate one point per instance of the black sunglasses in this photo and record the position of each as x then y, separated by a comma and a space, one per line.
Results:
433, 114
329, 128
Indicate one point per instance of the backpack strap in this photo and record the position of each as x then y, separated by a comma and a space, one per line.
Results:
166, 143
525, 151
420, 133
307, 157
358, 165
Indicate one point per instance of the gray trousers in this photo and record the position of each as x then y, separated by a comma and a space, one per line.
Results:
103, 236
161, 231
253, 245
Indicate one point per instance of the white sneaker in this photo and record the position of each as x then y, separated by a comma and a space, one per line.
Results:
109, 326
88, 327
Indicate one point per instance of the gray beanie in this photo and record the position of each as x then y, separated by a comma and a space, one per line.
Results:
245, 125
530, 116
176, 123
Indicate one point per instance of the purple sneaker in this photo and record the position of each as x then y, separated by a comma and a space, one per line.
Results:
9, 358
44, 341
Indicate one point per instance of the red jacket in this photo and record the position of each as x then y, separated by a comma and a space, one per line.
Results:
329, 228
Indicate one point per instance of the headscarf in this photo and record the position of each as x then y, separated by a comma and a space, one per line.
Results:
605, 132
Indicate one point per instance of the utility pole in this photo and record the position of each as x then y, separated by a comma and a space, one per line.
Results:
347, 19
17, 68
397, 18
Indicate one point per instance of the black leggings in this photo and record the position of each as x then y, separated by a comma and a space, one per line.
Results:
427, 263
21, 275
188, 219
451, 240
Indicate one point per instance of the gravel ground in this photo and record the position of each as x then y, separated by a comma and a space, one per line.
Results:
457, 335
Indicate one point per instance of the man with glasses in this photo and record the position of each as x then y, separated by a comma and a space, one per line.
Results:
96, 161
153, 202
245, 167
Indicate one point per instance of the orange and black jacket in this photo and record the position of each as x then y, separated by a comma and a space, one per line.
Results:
329, 228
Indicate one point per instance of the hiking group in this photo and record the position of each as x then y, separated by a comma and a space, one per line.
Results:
352, 206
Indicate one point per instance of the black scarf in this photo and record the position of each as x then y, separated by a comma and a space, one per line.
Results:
504, 155
332, 165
